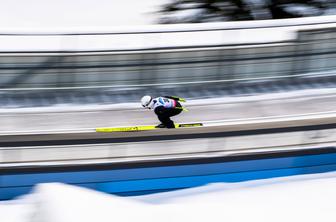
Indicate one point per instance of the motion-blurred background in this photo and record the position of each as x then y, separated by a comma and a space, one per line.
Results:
259, 75
103, 64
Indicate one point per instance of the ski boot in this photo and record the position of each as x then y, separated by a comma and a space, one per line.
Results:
161, 125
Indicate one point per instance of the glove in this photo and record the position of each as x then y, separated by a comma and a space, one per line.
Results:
181, 99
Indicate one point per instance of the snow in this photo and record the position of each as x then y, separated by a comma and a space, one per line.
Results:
297, 198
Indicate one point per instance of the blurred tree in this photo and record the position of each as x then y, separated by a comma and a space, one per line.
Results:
295, 8
181, 11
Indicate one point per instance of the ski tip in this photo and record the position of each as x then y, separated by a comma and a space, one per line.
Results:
124, 129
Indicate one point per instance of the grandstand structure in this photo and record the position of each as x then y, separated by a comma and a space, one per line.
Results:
196, 60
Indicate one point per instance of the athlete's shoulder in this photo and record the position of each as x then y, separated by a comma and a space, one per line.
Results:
156, 100
160, 97
161, 100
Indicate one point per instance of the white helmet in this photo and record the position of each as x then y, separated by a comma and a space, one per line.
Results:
145, 101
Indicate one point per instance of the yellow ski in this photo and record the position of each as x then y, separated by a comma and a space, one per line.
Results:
142, 128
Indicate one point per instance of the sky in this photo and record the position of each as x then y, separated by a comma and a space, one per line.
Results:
77, 13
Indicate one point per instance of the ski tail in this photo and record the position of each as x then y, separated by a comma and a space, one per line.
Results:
184, 125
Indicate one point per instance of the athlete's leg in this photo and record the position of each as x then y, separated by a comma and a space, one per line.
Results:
165, 117
165, 120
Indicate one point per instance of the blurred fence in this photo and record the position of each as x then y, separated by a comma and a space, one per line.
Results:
180, 69
155, 67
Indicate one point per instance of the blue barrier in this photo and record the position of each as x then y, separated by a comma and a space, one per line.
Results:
155, 179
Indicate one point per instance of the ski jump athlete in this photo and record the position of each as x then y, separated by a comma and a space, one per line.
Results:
164, 107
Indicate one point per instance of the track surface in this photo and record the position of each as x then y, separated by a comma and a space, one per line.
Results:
18, 120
